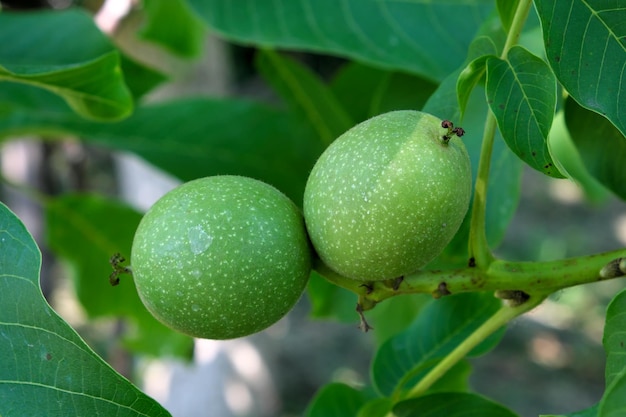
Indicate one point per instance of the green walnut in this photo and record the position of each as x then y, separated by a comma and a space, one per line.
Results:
221, 257
388, 195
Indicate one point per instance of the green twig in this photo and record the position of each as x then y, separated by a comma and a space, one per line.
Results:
478, 246
530, 277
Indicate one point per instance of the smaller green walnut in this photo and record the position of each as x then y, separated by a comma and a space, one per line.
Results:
388, 195
221, 257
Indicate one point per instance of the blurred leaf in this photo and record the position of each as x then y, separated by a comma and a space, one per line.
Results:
306, 94
503, 194
335, 400
425, 38
189, 138
193, 138
171, 24
455, 380
521, 92
67, 55
451, 405
329, 301
569, 161
481, 48
614, 339
471, 75
395, 315
506, 11
586, 47
589, 412
613, 403
379, 407
86, 230
93, 89
601, 146
139, 78
45, 367
488, 42
62, 37
438, 329
366, 92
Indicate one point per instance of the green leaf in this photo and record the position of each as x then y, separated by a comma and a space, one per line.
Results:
613, 403
94, 89
451, 405
330, 301
171, 24
366, 92
189, 138
614, 339
394, 316
193, 138
506, 11
426, 38
336, 400
569, 161
306, 94
601, 146
521, 92
139, 78
86, 230
68, 56
471, 75
455, 380
502, 195
379, 407
489, 42
438, 329
45, 367
588, 412
586, 47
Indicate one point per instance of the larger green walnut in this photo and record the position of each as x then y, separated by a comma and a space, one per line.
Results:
221, 257
387, 196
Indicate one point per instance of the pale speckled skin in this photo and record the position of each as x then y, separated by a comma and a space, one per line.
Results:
221, 257
387, 196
